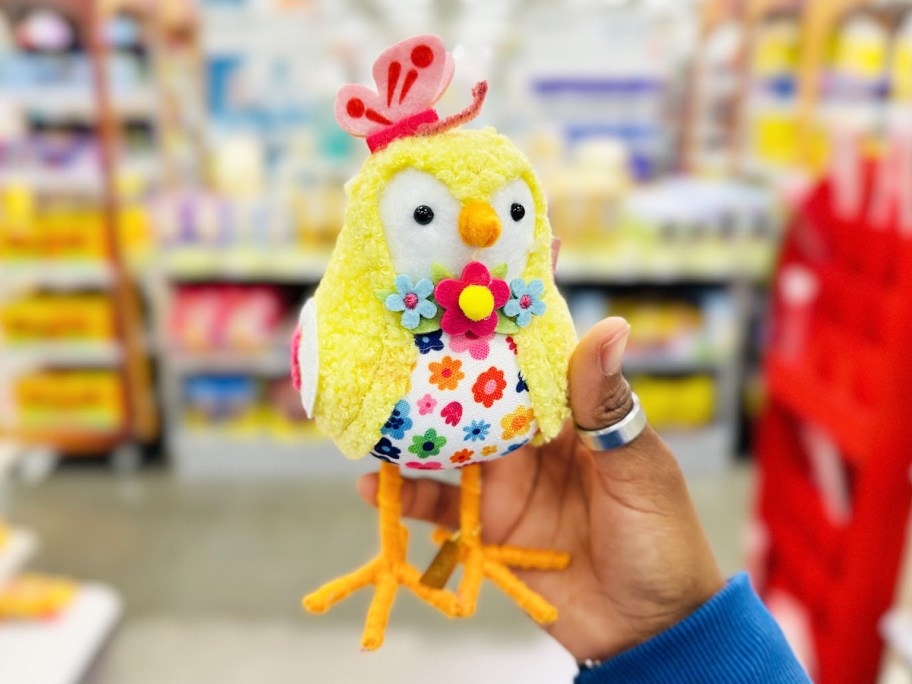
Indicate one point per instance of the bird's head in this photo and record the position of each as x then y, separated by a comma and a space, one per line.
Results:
451, 199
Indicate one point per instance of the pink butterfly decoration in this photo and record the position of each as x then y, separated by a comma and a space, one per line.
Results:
411, 76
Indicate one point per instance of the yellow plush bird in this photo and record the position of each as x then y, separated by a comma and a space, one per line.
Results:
437, 338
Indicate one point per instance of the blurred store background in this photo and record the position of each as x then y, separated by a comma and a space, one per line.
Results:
732, 176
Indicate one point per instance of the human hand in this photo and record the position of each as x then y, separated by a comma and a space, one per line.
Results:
640, 560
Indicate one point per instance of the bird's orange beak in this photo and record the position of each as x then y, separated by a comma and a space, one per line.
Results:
479, 224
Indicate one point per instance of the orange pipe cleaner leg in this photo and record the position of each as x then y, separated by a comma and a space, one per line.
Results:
470, 540
392, 555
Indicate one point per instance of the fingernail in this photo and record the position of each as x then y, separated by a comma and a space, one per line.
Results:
612, 352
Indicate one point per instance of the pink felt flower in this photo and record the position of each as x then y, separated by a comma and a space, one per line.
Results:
418, 465
426, 404
470, 304
472, 343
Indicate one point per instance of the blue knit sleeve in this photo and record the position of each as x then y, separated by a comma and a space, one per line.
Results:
731, 638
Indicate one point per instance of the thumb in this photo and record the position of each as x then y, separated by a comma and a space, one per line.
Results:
600, 396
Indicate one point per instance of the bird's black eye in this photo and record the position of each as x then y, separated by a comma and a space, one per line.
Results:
424, 214
517, 211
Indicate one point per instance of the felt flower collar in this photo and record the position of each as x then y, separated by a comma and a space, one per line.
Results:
479, 302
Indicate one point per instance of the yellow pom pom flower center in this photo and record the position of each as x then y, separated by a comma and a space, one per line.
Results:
476, 302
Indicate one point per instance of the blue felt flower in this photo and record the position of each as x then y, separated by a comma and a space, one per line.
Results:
398, 423
412, 301
525, 301
476, 431
428, 342
385, 451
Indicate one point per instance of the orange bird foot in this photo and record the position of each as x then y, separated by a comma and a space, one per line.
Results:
387, 572
494, 562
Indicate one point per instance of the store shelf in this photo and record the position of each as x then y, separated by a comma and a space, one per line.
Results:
598, 266
60, 354
701, 450
73, 442
10, 454
20, 546
210, 454
61, 650
896, 630
275, 361
603, 267
55, 101
80, 180
251, 264
662, 364
55, 273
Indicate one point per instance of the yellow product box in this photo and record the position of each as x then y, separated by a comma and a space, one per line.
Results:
776, 50
135, 233
901, 77
45, 317
70, 400
35, 597
862, 49
77, 235
677, 402
282, 427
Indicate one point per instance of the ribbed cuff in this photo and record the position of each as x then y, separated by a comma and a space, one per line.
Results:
731, 638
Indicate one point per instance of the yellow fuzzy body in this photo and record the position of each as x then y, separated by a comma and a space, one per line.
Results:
366, 356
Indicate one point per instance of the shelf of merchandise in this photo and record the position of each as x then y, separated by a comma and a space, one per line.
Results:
214, 453
104, 107
60, 650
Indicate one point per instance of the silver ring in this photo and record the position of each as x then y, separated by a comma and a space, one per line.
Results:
620, 434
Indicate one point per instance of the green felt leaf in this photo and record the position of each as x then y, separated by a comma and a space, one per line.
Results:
383, 294
506, 326
499, 271
439, 273
428, 325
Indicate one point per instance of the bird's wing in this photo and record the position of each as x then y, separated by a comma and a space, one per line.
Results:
306, 361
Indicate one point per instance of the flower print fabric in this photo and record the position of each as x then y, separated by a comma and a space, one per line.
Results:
467, 403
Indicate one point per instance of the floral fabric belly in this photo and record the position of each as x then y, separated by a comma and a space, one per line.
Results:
467, 403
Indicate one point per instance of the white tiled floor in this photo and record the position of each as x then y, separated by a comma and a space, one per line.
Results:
212, 573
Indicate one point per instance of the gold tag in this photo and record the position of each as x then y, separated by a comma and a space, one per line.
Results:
441, 568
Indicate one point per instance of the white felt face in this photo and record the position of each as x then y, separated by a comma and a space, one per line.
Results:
419, 239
